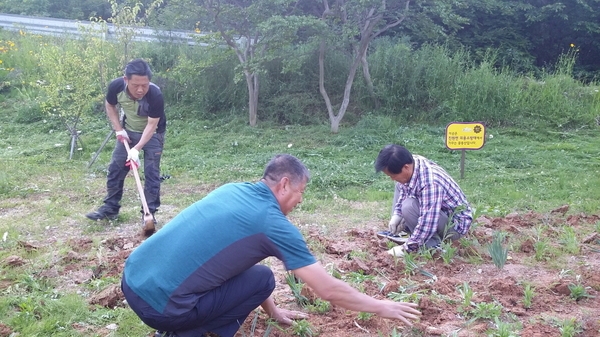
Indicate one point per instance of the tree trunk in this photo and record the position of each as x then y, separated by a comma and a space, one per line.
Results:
336, 119
322, 83
347, 90
252, 82
367, 76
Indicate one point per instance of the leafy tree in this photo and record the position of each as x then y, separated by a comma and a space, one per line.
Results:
127, 19
75, 77
257, 31
557, 28
527, 35
352, 26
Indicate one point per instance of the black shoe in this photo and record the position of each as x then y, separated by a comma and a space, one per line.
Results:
102, 214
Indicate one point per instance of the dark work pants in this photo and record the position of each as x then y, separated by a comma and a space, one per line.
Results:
221, 310
117, 171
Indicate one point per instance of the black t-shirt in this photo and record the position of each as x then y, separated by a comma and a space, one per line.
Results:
151, 105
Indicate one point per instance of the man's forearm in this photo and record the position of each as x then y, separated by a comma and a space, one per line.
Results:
113, 116
269, 306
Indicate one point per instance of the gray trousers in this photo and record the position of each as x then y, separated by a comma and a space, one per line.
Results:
411, 211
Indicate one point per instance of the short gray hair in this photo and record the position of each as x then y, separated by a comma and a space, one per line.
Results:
286, 165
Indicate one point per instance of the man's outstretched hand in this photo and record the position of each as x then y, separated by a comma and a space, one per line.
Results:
285, 316
404, 311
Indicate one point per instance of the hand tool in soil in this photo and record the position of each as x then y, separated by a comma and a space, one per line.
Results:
148, 218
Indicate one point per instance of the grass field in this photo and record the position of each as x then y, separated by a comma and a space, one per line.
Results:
44, 195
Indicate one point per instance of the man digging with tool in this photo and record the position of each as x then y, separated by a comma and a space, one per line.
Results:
199, 275
143, 127
428, 204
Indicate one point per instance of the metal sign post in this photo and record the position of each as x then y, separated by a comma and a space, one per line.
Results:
464, 136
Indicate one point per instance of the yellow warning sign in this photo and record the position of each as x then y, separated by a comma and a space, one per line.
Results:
465, 136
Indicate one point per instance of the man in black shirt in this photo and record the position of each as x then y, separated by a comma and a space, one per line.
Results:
135, 108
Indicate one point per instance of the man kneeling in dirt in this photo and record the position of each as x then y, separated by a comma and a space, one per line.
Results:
428, 204
198, 276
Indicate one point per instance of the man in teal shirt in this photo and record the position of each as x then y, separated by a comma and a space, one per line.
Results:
200, 272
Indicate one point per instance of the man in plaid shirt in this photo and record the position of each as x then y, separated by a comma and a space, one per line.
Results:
428, 204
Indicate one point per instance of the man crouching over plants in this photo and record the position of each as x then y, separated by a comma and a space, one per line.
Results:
198, 276
428, 204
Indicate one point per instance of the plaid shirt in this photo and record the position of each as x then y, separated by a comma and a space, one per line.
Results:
436, 192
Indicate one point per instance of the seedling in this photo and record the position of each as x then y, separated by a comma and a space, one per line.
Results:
470, 246
504, 329
485, 310
497, 251
538, 231
253, 326
302, 328
319, 306
541, 248
528, 296
467, 294
448, 252
358, 277
296, 287
564, 273
569, 240
410, 264
358, 254
569, 328
364, 316
404, 294
333, 271
427, 253
578, 291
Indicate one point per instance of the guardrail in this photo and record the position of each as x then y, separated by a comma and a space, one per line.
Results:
60, 27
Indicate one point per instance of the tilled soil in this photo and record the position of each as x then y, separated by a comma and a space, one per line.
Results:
434, 284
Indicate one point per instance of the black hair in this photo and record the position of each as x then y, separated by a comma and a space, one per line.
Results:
393, 158
138, 67
286, 165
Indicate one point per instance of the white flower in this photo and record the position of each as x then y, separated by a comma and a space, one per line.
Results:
290, 145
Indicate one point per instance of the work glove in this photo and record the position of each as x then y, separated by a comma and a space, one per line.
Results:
396, 224
122, 136
400, 251
134, 157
